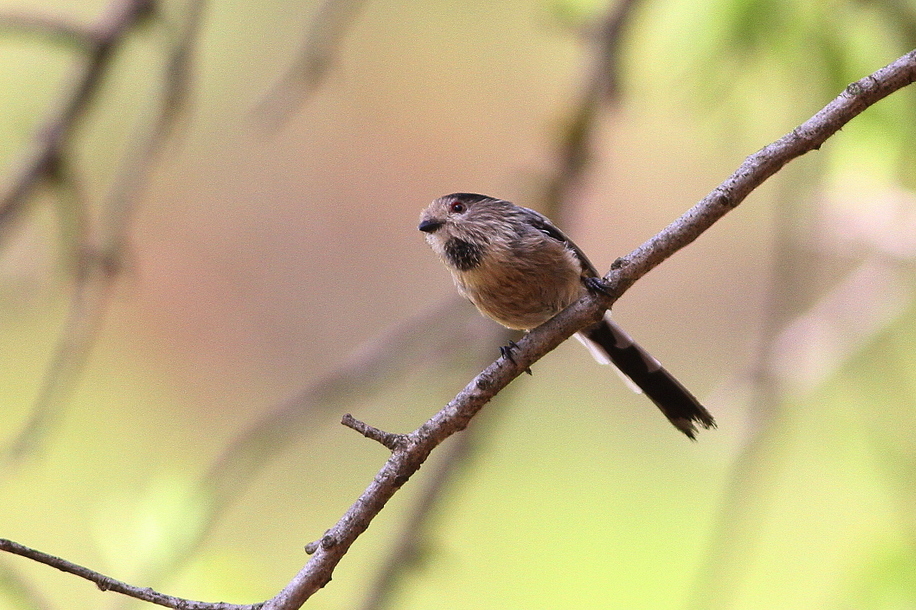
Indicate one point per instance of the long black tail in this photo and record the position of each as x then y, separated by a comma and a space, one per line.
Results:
611, 344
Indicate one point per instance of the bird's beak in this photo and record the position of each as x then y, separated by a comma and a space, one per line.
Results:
428, 225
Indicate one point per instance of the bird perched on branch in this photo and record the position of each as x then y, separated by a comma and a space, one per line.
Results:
520, 270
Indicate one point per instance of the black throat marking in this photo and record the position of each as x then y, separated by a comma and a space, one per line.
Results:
462, 255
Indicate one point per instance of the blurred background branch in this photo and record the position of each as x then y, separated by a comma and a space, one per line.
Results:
601, 88
56, 28
321, 44
50, 141
100, 242
802, 347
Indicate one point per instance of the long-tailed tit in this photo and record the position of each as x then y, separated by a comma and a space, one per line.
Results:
521, 270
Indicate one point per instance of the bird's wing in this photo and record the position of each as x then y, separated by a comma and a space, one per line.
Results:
543, 224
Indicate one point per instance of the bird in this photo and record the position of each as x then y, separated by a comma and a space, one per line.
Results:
520, 270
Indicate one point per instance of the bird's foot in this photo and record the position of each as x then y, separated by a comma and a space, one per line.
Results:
596, 285
506, 352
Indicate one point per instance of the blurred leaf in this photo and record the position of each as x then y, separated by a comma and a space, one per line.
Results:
137, 529
887, 580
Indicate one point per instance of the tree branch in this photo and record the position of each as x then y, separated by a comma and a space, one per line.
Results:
390, 440
600, 88
411, 541
106, 583
455, 416
759, 166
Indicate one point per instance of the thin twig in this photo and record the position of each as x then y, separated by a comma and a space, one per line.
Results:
106, 583
412, 536
378, 360
388, 439
759, 166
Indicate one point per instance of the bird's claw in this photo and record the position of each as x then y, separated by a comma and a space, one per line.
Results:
506, 352
596, 284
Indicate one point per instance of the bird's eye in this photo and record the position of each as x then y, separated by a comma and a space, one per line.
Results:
457, 207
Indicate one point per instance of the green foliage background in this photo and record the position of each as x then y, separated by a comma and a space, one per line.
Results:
259, 261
